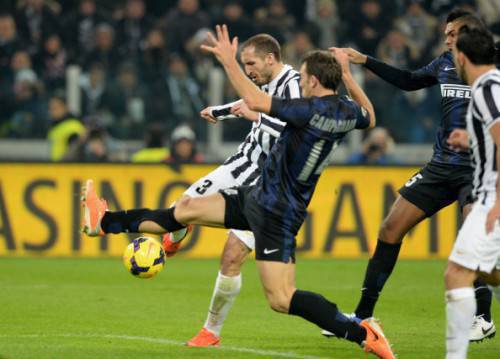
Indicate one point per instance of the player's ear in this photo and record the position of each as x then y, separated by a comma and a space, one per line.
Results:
270, 58
461, 58
313, 81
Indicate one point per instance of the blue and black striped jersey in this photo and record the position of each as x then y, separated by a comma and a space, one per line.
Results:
455, 97
315, 126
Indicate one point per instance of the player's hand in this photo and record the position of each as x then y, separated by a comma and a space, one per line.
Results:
222, 47
206, 113
241, 109
493, 217
341, 57
458, 140
355, 57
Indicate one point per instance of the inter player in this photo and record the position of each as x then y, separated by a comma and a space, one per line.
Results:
261, 58
445, 179
477, 248
275, 207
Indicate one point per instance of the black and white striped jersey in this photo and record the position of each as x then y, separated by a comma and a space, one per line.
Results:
246, 164
483, 112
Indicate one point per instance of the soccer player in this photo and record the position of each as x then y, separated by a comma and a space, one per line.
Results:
445, 179
477, 248
275, 207
261, 58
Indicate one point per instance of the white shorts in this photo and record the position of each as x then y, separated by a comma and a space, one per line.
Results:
474, 249
218, 179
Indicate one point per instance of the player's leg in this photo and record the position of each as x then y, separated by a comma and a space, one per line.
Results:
460, 309
483, 326
402, 217
473, 250
493, 280
278, 282
213, 182
172, 241
206, 210
275, 256
227, 287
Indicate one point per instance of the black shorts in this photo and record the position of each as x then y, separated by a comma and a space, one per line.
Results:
274, 240
438, 185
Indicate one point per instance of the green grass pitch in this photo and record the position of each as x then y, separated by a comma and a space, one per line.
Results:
92, 308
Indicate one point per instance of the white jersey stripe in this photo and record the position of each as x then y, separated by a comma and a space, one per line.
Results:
246, 164
482, 113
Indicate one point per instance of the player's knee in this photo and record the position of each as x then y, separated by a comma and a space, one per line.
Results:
456, 276
389, 231
279, 303
279, 300
231, 264
185, 210
233, 256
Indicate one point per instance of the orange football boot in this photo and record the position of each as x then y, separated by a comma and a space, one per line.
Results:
94, 209
375, 341
171, 247
204, 338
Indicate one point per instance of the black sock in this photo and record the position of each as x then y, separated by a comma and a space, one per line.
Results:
129, 221
318, 310
483, 299
378, 271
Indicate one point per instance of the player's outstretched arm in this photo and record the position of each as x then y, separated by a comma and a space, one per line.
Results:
404, 79
225, 51
213, 114
354, 90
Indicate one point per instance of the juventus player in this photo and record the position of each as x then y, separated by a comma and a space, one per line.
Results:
445, 179
477, 248
261, 58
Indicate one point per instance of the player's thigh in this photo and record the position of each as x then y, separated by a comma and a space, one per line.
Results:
277, 280
204, 210
402, 217
216, 180
234, 254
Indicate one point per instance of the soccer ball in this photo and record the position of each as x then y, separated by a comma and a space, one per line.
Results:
144, 257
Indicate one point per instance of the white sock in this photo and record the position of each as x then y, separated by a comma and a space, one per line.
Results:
178, 235
460, 310
496, 291
225, 292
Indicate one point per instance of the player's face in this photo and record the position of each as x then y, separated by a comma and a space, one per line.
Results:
256, 66
451, 34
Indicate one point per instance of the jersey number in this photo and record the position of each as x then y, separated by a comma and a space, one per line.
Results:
414, 179
203, 188
313, 159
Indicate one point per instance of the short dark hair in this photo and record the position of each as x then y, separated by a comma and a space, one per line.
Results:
323, 65
471, 21
457, 13
264, 43
477, 44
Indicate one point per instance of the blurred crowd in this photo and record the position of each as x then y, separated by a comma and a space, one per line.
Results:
143, 75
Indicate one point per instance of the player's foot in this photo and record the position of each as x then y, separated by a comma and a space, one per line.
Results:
171, 247
351, 316
204, 338
482, 329
94, 209
376, 341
